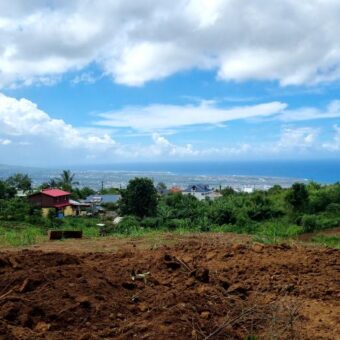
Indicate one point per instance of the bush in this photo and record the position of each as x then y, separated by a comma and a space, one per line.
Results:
309, 223
128, 225
333, 208
151, 222
14, 209
177, 223
222, 212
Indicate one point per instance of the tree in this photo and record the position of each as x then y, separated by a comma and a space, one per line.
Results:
67, 180
82, 193
20, 182
298, 197
139, 198
6, 191
227, 191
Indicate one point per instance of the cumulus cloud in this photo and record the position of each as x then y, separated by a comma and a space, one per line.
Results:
138, 41
335, 144
5, 141
156, 117
23, 119
293, 138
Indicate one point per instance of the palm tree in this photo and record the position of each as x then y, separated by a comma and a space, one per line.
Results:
67, 180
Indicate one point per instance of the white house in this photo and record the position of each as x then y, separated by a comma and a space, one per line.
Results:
200, 191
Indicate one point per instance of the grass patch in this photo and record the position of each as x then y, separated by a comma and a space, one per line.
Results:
327, 241
20, 237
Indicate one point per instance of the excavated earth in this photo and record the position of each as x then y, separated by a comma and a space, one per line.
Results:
194, 289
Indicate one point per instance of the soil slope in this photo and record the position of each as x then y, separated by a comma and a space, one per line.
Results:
192, 290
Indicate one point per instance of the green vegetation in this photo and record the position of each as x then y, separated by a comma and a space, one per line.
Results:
327, 241
271, 216
14, 237
139, 198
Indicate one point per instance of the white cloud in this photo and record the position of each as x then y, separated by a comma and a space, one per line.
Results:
156, 117
86, 77
5, 141
138, 41
23, 119
310, 113
296, 139
162, 146
334, 145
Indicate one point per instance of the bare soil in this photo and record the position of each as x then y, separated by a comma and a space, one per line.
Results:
197, 287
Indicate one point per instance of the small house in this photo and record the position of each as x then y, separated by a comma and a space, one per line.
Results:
200, 191
56, 199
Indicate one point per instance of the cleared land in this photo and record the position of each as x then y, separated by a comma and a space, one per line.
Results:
211, 286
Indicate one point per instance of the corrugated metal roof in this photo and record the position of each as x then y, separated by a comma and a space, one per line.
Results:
103, 199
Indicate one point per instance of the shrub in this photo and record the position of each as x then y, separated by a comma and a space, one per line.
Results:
298, 197
151, 222
333, 208
309, 223
176, 223
128, 225
222, 212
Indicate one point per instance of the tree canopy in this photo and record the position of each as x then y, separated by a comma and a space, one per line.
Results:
139, 198
20, 182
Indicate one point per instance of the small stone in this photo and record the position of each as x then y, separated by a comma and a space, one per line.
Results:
257, 247
42, 326
210, 255
205, 315
143, 307
237, 246
202, 289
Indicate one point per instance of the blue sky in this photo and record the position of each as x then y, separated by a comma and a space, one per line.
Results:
199, 80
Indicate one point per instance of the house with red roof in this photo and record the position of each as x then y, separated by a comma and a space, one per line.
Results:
57, 199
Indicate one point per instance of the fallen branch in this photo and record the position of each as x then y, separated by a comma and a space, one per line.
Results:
4, 295
229, 323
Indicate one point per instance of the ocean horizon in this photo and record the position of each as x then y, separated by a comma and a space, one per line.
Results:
256, 174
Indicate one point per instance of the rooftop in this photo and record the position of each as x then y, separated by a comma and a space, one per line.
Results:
198, 188
102, 199
55, 192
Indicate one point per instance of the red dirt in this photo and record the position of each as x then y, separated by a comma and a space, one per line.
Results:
195, 289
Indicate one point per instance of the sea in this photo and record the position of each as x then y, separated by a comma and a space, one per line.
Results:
239, 175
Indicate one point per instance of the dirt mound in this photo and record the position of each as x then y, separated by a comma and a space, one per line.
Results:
195, 290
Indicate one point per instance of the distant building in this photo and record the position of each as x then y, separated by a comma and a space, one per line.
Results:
174, 190
200, 191
56, 199
21, 193
102, 199
162, 190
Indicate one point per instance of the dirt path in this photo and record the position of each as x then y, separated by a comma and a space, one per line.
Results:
200, 287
